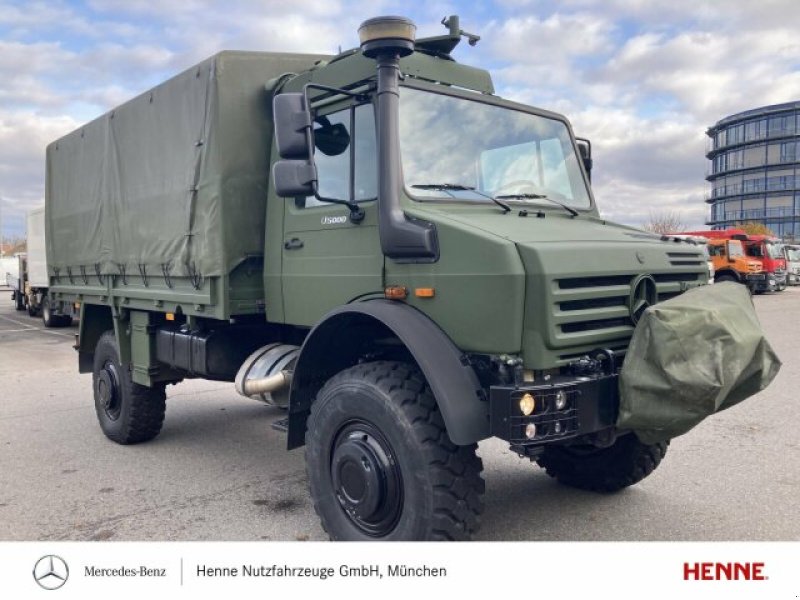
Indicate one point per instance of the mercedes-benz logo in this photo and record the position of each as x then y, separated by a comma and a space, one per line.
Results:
643, 295
51, 572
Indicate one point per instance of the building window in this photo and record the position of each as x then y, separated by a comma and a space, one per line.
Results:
789, 151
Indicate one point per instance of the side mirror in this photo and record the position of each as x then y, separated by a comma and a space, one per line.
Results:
292, 121
585, 150
296, 174
293, 178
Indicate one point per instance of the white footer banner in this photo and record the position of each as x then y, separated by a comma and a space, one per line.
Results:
475, 570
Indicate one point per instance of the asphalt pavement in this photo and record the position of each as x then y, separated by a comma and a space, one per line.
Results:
218, 471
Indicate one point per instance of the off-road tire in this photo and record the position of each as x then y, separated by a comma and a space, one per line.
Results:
50, 319
441, 485
611, 469
140, 409
725, 277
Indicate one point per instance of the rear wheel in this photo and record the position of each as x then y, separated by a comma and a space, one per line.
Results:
51, 319
128, 413
624, 463
19, 300
380, 464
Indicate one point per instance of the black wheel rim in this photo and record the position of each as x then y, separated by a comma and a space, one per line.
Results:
366, 478
108, 392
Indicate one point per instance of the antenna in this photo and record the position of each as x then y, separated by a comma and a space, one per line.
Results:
453, 25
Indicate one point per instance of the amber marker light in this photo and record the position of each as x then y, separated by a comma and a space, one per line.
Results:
170, 316
527, 404
395, 292
424, 292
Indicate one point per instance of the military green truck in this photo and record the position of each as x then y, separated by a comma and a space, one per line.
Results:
376, 242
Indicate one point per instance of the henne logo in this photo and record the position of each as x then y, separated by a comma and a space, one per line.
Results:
50, 572
730, 571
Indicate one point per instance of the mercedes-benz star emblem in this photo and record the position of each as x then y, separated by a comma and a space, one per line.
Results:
643, 295
51, 572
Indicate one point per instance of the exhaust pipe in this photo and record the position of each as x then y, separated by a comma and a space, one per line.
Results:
267, 385
266, 374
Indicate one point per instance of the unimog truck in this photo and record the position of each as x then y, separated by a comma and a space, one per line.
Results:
378, 244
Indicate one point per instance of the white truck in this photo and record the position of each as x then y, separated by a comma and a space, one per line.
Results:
36, 282
12, 273
792, 254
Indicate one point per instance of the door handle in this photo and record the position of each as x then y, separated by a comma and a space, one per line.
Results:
293, 244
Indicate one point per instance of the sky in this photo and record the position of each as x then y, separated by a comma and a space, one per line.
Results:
643, 79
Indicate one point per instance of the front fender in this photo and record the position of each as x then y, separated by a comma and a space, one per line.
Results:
345, 334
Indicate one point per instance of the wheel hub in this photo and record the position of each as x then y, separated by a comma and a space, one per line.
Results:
366, 479
108, 391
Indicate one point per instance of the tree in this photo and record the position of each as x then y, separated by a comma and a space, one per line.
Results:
755, 228
665, 222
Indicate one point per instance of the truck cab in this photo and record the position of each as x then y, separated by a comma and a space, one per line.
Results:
730, 262
769, 251
791, 253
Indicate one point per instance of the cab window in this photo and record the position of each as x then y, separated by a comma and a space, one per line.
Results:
345, 153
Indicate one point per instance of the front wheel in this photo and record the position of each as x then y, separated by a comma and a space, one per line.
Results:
725, 277
380, 464
626, 462
128, 413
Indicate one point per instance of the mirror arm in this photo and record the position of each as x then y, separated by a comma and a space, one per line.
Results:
360, 96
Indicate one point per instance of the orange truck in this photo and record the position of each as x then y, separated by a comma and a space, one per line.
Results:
755, 260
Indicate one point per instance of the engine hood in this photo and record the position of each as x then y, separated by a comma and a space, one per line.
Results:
552, 226
582, 277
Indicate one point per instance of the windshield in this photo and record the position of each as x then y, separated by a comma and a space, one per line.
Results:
793, 254
775, 250
465, 150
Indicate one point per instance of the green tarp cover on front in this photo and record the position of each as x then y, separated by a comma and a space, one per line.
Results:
691, 356
177, 176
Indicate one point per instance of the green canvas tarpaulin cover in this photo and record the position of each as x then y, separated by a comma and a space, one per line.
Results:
691, 356
176, 177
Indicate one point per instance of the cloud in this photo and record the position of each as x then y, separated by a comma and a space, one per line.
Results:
23, 138
642, 79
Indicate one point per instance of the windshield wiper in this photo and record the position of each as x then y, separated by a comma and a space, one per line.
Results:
566, 207
442, 186
447, 187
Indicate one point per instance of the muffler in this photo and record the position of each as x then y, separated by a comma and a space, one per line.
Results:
266, 374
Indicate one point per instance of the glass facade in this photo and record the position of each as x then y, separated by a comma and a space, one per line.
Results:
755, 169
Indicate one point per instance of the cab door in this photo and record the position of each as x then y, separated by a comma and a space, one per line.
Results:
327, 259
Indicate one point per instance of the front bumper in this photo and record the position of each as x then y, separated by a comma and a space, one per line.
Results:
766, 282
592, 406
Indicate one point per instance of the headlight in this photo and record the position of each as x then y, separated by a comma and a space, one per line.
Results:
527, 404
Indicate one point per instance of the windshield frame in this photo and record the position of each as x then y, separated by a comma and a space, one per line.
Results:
510, 105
